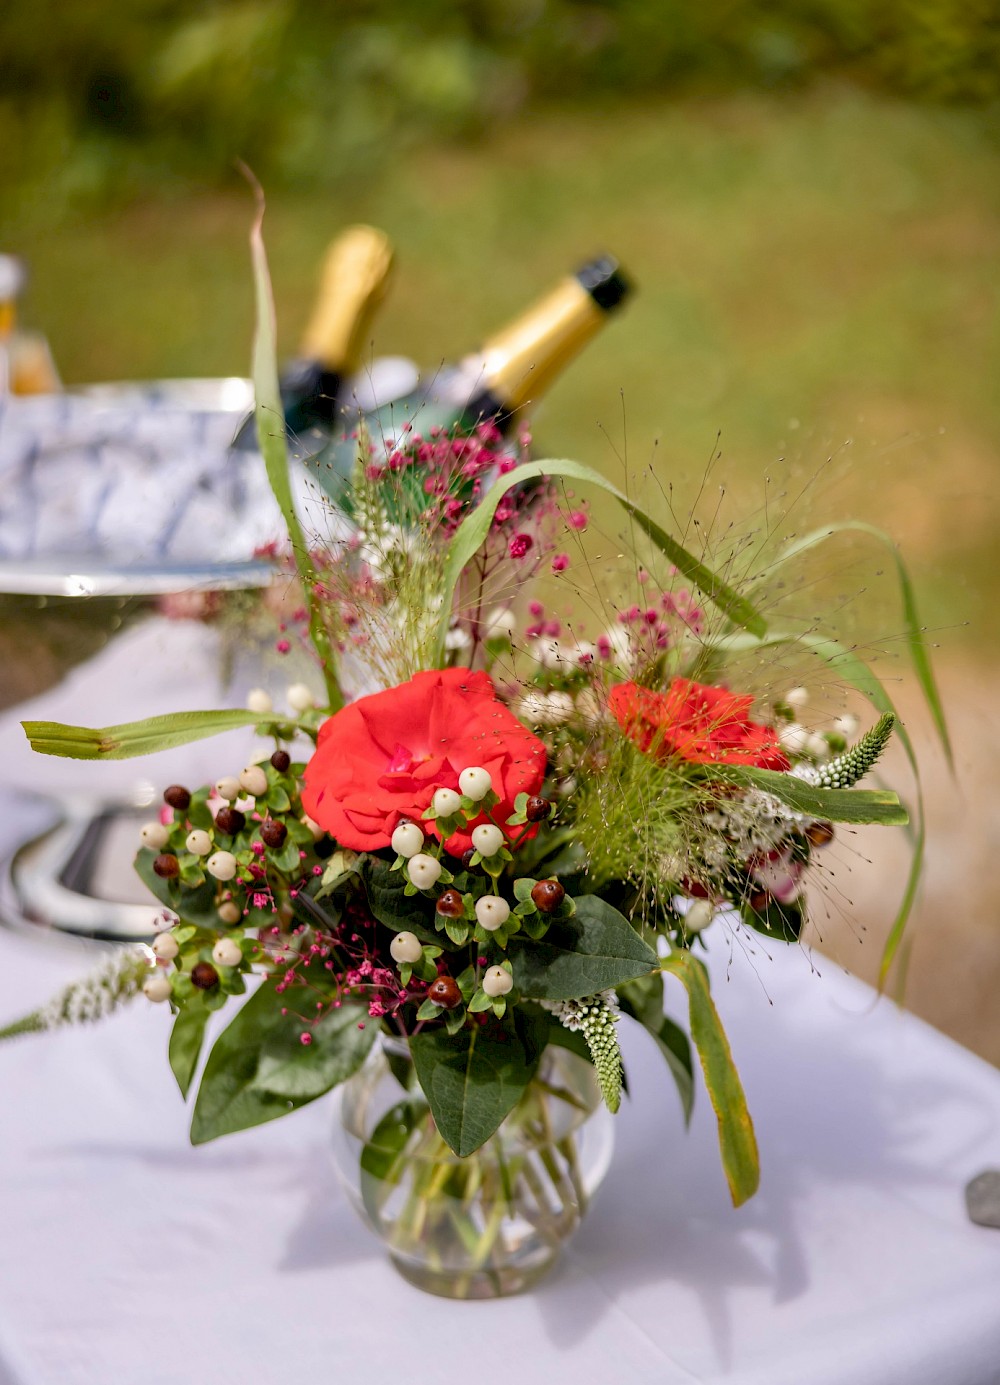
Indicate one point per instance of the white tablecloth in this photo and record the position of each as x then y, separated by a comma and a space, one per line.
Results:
127, 1256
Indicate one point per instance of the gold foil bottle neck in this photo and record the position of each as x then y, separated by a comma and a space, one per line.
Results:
520, 361
353, 283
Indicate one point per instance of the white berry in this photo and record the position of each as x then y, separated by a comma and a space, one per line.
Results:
230, 911
154, 834
492, 912
405, 947
846, 725
699, 916
254, 781
487, 839
222, 865
227, 953
497, 982
166, 947
794, 738
157, 987
259, 701
446, 802
199, 843
818, 747
299, 698
228, 788
475, 782
407, 839
797, 698
423, 871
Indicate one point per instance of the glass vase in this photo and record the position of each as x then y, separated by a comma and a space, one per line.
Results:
490, 1224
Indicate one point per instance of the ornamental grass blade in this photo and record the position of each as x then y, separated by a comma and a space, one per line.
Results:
133, 738
472, 532
273, 443
737, 1141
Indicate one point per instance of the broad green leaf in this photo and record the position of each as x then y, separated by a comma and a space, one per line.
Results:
472, 532
132, 737
289, 1068
737, 1142
643, 1001
195, 906
185, 1041
394, 908
273, 445
229, 1098
579, 956
836, 805
474, 1079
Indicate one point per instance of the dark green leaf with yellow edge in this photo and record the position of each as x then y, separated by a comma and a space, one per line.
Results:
835, 805
132, 738
737, 1141
253, 1075
474, 1079
594, 949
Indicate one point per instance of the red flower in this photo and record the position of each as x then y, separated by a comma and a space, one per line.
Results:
380, 759
695, 722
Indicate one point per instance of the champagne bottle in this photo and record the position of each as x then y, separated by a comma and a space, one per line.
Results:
26, 364
495, 384
353, 282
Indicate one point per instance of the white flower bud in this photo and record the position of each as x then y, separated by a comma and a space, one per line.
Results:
230, 912
487, 839
300, 698
405, 947
500, 624
199, 843
221, 865
546, 709
228, 788
407, 839
699, 916
254, 781
166, 947
227, 953
497, 982
794, 738
797, 698
818, 747
446, 802
259, 701
157, 987
492, 912
154, 834
475, 782
846, 726
423, 871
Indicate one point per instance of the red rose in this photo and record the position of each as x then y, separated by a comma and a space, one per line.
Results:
380, 759
695, 722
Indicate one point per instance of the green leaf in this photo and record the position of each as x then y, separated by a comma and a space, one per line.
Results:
643, 1001
290, 1068
835, 805
782, 921
473, 1080
594, 949
737, 1142
229, 1098
273, 444
194, 906
472, 533
391, 905
132, 738
186, 1039
382, 1158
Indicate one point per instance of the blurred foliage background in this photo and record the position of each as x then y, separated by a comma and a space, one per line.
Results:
807, 194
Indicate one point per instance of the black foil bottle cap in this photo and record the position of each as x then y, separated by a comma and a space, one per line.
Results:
604, 281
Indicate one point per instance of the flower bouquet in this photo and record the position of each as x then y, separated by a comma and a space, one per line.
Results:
442, 895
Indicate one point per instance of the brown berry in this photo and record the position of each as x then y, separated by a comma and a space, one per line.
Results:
450, 905
537, 809
819, 833
230, 821
467, 857
177, 797
759, 901
547, 895
273, 832
695, 889
281, 760
444, 991
204, 976
165, 866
